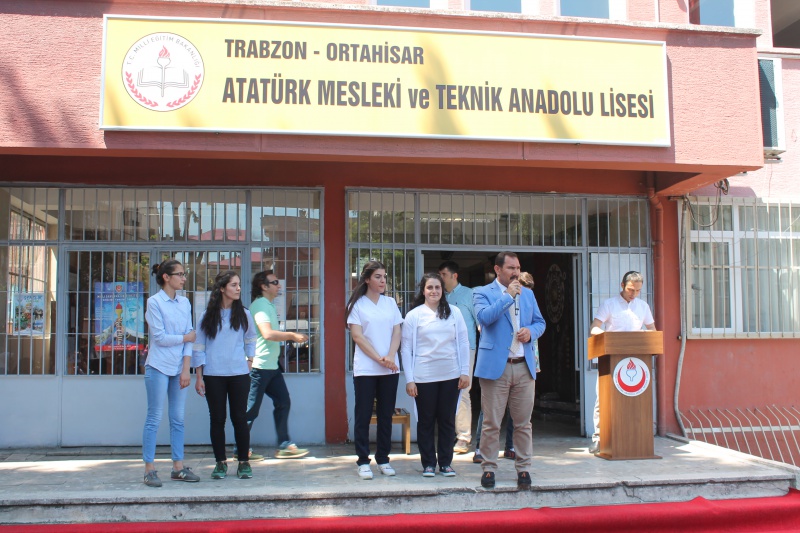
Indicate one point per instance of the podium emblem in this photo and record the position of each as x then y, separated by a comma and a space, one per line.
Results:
163, 72
631, 377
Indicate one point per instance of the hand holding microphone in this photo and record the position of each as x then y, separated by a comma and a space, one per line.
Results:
514, 288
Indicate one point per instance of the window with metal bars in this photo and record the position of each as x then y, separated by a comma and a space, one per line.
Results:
28, 235
391, 226
108, 238
743, 268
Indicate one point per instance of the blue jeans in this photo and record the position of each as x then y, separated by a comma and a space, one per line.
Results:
509, 431
161, 387
271, 383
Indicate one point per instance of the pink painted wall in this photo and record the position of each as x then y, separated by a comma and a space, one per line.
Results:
744, 374
777, 180
547, 8
51, 105
673, 11
642, 10
763, 21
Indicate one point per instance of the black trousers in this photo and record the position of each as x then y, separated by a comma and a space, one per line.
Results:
233, 390
436, 413
367, 390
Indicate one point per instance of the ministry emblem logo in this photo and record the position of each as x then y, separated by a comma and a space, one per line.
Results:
631, 376
163, 72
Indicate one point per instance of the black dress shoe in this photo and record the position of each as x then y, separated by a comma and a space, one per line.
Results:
487, 480
595, 447
523, 480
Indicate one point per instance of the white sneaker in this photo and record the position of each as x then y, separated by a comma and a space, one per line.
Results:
387, 469
364, 472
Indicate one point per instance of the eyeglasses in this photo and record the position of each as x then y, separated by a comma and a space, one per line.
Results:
274, 282
179, 274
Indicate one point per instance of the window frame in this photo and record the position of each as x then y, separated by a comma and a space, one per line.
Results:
241, 236
738, 271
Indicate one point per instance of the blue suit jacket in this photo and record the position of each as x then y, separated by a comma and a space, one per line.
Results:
497, 331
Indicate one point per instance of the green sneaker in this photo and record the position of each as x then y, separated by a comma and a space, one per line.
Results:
220, 471
244, 471
252, 457
291, 451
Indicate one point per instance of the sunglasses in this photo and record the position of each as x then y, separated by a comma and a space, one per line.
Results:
274, 282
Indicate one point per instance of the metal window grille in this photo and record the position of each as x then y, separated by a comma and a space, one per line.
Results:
28, 233
392, 226
743, 270
109, 236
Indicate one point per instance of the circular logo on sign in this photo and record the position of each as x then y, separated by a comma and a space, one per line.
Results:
163, 71
631, 376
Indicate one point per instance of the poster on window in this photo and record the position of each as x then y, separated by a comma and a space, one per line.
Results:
119, 316
29, 313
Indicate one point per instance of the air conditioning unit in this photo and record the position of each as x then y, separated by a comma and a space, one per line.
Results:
772, 126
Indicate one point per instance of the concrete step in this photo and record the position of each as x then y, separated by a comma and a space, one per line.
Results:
45, 486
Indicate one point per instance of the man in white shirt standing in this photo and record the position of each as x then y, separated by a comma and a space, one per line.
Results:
626, 312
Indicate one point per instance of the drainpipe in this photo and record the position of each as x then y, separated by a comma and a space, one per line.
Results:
658, 296
684, 317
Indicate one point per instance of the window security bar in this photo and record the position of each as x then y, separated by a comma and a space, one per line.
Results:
770, 432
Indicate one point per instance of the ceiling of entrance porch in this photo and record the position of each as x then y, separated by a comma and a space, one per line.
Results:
786, 23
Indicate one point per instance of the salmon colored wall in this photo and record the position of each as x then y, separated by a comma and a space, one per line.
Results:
776, 180
180, 172
50, 106
641, 10
335, 296
763, 21
666, 310
752, 373
673, 11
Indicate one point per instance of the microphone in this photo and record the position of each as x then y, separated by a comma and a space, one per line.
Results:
516, 305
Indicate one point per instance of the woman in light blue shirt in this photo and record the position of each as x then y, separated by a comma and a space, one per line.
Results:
223, 355
166, 371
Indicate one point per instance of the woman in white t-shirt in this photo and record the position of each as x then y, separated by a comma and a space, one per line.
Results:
435, 350
374, 321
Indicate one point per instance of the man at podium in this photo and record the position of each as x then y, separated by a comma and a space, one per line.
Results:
626, 312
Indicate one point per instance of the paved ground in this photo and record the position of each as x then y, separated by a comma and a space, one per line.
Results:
105, 484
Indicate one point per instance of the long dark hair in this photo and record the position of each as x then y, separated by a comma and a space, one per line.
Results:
361, 288
255, 285
164, 267
212, 320
443, 310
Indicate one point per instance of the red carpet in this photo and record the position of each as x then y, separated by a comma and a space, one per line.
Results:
762, 515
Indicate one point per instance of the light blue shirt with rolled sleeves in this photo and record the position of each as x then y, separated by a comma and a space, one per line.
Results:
227, 353
169, 320
461, 297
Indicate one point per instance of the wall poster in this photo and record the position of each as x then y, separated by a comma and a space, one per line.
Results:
29, 313
119, 316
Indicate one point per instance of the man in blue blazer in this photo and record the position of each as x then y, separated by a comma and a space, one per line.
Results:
510, 320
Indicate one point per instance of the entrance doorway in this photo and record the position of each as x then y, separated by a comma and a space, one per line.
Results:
558, 385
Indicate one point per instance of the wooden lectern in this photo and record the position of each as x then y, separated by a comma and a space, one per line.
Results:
626, 418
